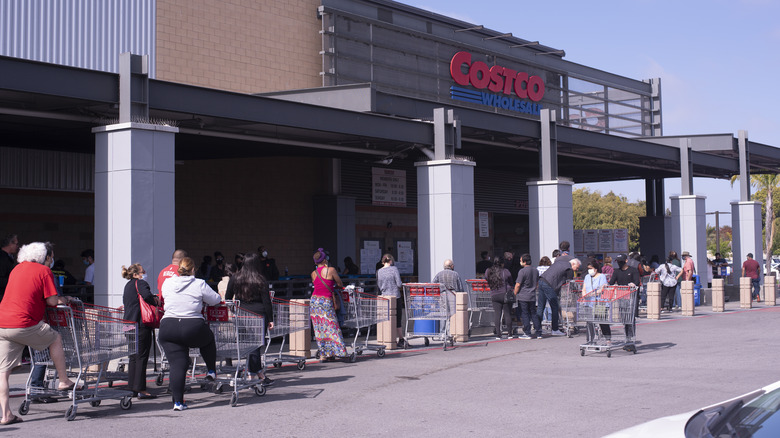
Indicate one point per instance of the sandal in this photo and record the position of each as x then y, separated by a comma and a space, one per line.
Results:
13, 420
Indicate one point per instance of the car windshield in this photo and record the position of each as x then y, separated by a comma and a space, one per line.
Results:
755, 419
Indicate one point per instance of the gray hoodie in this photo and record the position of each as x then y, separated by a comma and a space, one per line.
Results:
184, 297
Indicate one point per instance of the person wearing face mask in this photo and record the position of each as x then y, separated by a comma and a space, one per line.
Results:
136, 289
88, 256
592, 283
625, 275
269, 269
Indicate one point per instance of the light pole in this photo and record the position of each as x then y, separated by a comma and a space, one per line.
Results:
717, 227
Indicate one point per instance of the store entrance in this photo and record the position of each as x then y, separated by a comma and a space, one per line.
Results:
511, 233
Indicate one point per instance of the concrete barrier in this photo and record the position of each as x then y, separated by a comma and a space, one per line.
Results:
718, 295
300, 341
745, 301
770, 290
386, 333
459, 322
686, 295
654, 300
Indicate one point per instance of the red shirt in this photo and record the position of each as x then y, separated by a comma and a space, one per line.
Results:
24, 303
750, 269
688, 269
167, 272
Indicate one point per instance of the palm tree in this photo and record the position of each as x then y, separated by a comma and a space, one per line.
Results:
769, 182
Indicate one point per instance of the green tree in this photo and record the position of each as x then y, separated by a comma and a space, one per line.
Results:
592, 211
725, 240
769, 183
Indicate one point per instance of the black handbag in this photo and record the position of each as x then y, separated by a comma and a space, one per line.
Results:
510, 297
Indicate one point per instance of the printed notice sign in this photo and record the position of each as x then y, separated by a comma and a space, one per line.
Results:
484, 224
578, 241
590, 241
388, 187
605, 241
621, 239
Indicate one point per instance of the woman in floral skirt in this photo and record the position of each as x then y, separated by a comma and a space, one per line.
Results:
323, 310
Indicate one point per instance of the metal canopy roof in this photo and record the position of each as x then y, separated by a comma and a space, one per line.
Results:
54, 107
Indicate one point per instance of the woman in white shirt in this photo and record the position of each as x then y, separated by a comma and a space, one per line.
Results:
668, 273
183, 327
592, 283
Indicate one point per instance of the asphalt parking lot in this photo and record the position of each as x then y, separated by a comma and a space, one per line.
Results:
484, 387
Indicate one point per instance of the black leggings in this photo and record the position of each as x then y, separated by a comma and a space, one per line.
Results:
177, 336
137, 363
667, 291
499, 304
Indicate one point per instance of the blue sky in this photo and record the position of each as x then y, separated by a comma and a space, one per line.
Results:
717, 59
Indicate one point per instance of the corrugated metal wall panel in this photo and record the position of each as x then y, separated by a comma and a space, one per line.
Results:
78, 33
46, 170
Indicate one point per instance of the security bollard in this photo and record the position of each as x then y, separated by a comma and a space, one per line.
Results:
686, 295
654, 300
718, 295
300, 341
459, 322
386, 333
745, 301
770, 290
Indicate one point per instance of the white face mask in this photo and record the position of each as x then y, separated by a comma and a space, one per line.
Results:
51, 265
592, 272
265, 253
143, 276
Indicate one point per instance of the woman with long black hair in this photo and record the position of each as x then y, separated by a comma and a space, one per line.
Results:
500, 281
250, 288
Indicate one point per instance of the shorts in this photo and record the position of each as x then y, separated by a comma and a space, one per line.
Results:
14, 340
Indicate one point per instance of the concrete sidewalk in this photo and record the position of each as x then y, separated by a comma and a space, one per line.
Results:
524, 387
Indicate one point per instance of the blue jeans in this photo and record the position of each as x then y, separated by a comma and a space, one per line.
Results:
756, 287
548, 294
677, 298
38, 373
526, 311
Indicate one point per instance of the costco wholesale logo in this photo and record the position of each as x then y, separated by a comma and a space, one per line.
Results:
498, 80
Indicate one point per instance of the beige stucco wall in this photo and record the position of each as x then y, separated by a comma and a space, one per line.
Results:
248, 46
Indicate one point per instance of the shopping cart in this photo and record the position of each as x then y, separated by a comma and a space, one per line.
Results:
289, 317
479, 301
428, 302
88, 338
237, 332
646, 279
362, 311
614, 306
571, 291
120, 372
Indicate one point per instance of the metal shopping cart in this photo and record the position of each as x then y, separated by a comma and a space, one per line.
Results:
479, 301
120, 373
428, 302
570, 293
88, 338
646, 279
615, 307
289, 317
362, 311
237, 332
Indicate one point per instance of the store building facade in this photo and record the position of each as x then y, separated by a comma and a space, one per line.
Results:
361, 126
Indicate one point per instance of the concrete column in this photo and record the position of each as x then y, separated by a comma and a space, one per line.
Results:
686, 295
770, 290
459, 322
654, 300
386, 334
334, 227
134, 204
745, 300
718, 295
746, 234
300, 341
445, 217
551, 215
655, 236
689, 229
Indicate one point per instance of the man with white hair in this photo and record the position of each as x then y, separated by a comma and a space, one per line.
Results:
30, 289
451, 281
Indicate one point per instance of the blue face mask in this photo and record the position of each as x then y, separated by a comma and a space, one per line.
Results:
86, 262
143, 276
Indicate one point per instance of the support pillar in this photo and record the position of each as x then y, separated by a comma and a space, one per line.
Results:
689, 229
718, 295
551, 215
745, 291
686, 295
459, 322
654, 300
445, 216
746, 235
770, 290
134, 204
334, 227
386, 333
300, 341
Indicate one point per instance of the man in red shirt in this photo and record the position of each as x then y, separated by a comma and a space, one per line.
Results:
170, 270
30, 289
750, 269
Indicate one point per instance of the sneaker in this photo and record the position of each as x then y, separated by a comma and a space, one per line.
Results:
180, 406
524, 336
211, 376
558, 333
267, 382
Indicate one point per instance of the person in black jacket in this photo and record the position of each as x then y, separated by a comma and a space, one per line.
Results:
250, 288
9, 246
136, 368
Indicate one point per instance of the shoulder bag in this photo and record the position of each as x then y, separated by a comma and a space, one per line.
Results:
150, 315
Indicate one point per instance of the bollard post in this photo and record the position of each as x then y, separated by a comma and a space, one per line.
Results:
745, 301
718, 295
686, 295
300, 341
386, 334
459, 322
770, 290
654, 300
